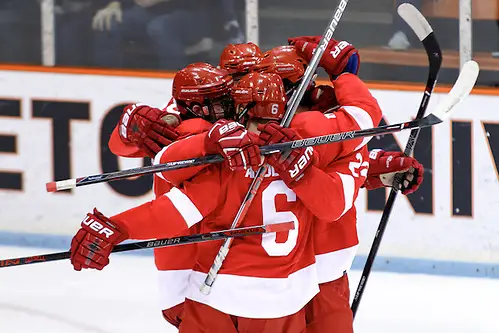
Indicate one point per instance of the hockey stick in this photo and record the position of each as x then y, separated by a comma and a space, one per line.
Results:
286, 120
460, 90
439, 115
164, 242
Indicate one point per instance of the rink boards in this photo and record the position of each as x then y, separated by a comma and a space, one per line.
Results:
56, 126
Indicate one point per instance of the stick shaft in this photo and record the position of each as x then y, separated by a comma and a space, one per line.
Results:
435, 60
430, 120
286, 120
164, 242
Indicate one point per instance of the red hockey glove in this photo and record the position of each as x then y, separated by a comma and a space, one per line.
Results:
339, 57
235, 143
323, 98
292, 165
93, 243
148, 128
384, 165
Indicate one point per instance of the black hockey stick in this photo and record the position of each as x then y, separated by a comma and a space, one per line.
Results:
441, 112
164, 242
423, 30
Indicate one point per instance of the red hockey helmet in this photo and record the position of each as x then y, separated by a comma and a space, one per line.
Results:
240, 59
284, 61
198, 87
259, 95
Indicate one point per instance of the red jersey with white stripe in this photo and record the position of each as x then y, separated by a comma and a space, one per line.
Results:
196, 199
173, 263
265, 276
345, 163
336, 243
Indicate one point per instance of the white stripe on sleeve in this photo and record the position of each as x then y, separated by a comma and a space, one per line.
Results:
159, 155
363, 119
185, 206
348, 191
157, 160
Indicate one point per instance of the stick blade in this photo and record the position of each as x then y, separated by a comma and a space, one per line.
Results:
413, 17
461, 89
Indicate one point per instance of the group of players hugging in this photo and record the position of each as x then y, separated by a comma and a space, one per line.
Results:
293, 281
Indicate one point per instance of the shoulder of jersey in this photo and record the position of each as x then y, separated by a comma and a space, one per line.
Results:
310, 123
193, 126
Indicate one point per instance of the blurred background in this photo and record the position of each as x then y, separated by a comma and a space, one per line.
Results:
166, 35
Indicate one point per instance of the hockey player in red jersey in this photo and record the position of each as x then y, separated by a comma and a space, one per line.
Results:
145, 130
407, 159
140, 125
240, 59
348, 163
336, 243
268, 278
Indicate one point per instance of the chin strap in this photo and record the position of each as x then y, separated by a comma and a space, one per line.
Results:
242, 117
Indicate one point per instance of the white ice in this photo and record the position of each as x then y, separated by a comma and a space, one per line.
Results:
52, 298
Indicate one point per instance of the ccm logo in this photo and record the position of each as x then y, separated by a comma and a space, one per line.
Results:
98, 227
302, 162
332, 27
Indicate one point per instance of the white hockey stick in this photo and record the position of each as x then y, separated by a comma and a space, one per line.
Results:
461, 89
286, 120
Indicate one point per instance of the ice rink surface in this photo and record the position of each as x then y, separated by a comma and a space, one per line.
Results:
52, 298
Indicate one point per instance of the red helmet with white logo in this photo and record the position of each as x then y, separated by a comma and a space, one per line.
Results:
240, 59
202, 90
284, 61
259, 95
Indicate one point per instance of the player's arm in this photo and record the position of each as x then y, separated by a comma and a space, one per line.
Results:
175, 211
186, 148
384, 165
358, 110
171, 214
331, 192
316, 188
225, 137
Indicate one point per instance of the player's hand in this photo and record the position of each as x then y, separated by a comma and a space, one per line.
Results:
384, 165
147, 128
338, 58
93, 243
323, 98
291, 165
104, 17
235, 143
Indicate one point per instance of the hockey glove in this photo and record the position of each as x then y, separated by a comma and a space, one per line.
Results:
235, 143
93, 243
322, 98
291, 165
147, 128
339, 57
384, 165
